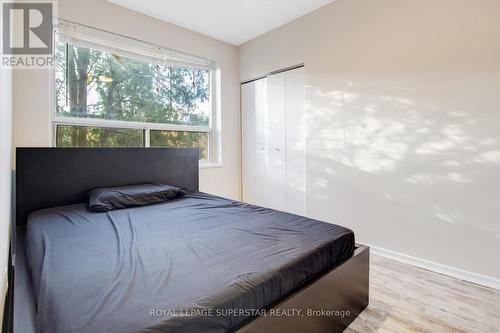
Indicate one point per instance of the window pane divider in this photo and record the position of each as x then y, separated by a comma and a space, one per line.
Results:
89, 122
147, 138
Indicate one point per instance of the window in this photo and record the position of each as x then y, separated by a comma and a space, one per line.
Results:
112, 91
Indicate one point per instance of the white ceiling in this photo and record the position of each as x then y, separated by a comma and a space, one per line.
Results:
233, 21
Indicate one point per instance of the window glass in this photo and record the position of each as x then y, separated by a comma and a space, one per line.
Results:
82, 136
95, 84
181, 139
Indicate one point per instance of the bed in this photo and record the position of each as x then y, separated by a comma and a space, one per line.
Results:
200, 263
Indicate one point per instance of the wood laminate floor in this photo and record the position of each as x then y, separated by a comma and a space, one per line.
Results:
405, 298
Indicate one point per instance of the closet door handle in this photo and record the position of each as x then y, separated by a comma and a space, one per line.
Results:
277, 149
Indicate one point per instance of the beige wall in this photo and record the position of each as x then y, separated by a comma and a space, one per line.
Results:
403, 109
32, 96
5, 176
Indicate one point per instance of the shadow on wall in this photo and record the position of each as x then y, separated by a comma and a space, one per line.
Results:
412, 158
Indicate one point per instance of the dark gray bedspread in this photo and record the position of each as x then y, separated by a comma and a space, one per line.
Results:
150, 269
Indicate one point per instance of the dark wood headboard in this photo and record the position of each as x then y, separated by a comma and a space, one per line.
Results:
50, 177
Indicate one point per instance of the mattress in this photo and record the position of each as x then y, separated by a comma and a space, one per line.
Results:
196, 264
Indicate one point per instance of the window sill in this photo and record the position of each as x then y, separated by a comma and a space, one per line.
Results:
210, 165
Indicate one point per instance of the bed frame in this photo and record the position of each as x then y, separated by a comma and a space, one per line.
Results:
49, 177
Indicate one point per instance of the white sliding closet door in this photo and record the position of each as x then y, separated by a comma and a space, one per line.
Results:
271, 158
253, 103
295, 142
248, 108
273, 140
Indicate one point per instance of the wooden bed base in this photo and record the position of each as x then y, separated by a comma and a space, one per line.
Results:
328, 304
45, 178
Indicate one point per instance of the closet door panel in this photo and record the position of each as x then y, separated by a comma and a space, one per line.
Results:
270, 137
248, 144
295, 142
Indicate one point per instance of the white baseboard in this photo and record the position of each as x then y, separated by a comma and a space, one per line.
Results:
479, 279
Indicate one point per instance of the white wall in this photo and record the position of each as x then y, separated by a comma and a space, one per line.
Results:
403, 109
32, 93
5, 176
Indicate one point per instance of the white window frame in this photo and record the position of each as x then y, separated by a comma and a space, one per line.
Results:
137, 47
